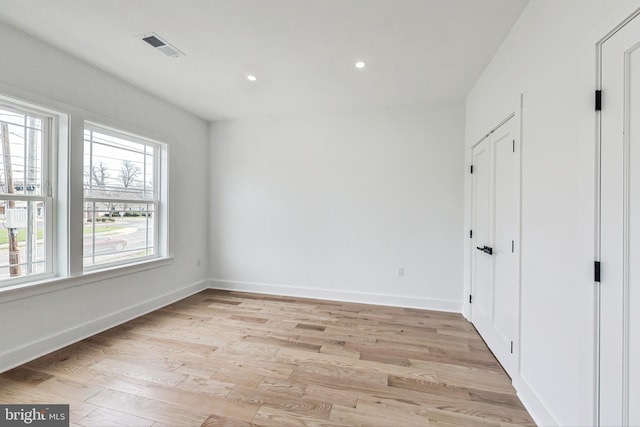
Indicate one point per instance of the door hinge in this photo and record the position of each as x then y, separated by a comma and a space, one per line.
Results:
598, 100
471, 234
511, 347
513, 246
470, 299
471, 169
514, 145
596, 271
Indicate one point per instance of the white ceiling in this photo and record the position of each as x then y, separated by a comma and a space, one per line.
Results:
302, 51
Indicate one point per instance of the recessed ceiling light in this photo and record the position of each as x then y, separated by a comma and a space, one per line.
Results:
251, 77
360, 65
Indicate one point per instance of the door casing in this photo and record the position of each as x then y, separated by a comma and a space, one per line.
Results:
508, 354
612, 238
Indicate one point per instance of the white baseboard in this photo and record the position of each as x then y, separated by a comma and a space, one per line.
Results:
466, 312
532, 403
334, 295
18, 356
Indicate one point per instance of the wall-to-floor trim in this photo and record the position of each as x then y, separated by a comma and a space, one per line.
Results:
532, 403
17, 356
334, 295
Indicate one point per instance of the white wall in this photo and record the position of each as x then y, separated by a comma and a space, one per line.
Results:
38, 73
331, 205
549, 57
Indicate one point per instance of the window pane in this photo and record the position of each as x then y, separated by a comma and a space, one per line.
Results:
20, 154
116, 232
22, 238
11, 117
116, 168
120, 198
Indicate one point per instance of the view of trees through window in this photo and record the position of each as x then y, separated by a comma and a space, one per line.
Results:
23, 194
120, 197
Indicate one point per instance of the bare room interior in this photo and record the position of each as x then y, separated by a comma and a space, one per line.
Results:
319, 212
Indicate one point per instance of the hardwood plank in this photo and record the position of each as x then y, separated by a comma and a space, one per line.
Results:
301, 358
384, 358
235, 410
408, 415
350, 354
242, 363
463, 376
401, 398
353, 417
213, 301
149, 408
65, 387
305, 406
267, 416
27, 376
239, 377
14, 392
289, 389
102, 417
448, 419
118, 383
181, 398
429, 385
280, 343
328, 376
311, 327
138, 371
218, 421
502, 399
208, 386
241, 348
332, 394
248, 319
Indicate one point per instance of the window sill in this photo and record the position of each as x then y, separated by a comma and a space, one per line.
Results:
55, 284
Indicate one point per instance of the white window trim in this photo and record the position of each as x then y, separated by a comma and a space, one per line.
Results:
51, 121
160, 197
66, 160
18, 291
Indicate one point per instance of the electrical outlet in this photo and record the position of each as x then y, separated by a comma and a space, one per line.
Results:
400, 271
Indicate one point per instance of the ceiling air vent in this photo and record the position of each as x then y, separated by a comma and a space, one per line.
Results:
157, 43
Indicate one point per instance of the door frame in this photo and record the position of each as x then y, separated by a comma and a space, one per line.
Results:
598, 219
515, 114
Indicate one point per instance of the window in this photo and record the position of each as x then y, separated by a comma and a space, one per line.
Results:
120, 209
26, 205
121, 197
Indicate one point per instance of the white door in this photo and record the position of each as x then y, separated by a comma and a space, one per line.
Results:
619, 346
495, 288
482, 229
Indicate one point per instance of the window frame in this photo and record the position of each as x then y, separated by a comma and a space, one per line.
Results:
65, 163
158, 200
49, 169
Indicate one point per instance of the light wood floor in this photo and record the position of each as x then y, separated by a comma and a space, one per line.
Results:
236, 359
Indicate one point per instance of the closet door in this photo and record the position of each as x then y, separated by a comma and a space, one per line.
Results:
619, 346
495, 308
482, 242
